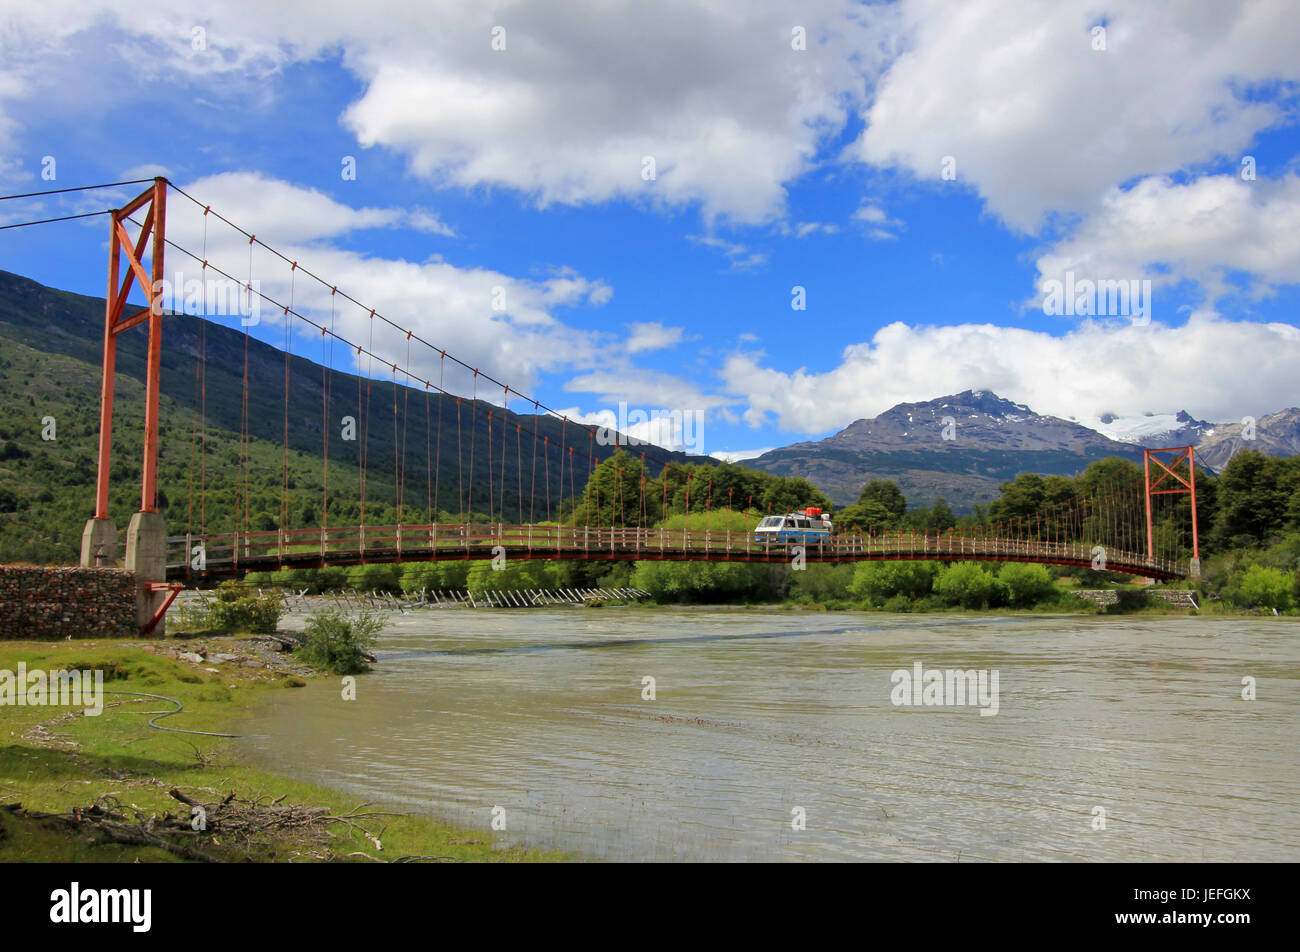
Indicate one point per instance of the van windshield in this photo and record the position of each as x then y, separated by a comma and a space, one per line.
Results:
770, 522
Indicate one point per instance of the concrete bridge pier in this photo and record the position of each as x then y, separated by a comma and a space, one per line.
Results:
146, 556
99, 544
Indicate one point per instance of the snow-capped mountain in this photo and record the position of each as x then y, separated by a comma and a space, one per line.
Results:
1152, 429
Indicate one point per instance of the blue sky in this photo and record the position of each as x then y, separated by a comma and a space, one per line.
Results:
1112, 156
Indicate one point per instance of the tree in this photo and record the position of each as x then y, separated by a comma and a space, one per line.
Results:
888, 495
1021, 497
1252, 505
939, 517
862, 515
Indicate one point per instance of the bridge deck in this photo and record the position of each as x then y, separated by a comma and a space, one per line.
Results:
230, 554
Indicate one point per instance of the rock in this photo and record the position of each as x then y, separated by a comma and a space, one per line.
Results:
190, 656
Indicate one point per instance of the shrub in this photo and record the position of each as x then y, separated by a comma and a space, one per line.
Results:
704, 581
339, 643
967, 585
375, 577
240, 609
1024, 584
432, 575
820, 582
876, 582
1265, 587
514, 575
235, 608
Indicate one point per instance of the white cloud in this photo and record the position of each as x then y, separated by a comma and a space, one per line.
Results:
878, 221
283, 212
678, 430
871, 213
651, 335
566, 113
645, 388
1213, 368
805, 228
740, 256
735, 456
1196, 231
449, 306
581, 95
1038, 121
148, 170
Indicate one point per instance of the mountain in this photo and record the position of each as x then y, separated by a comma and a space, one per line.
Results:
1275, 434
1154, 429
961, 447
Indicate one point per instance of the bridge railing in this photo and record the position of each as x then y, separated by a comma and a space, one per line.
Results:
192, 553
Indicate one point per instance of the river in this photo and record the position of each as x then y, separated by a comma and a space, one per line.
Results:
773, 735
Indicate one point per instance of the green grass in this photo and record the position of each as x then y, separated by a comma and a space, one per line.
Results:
76, 759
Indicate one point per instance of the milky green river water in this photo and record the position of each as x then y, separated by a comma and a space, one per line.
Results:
761, 717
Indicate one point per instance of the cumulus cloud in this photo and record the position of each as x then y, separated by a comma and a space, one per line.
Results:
504, 324
286, 212
1214, 368
1037, 120
567, 112
581, 96
1198, 231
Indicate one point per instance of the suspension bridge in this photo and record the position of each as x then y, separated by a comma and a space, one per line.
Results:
510, 466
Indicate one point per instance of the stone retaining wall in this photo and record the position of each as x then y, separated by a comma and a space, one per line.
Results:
1179, 597
41, 603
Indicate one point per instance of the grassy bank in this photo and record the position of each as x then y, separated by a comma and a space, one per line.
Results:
118, 772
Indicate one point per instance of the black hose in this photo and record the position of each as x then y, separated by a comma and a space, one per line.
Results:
159, 715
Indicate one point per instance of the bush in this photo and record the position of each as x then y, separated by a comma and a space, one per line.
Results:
516, 574
375, 577
434, 575
239, 609
235, 608
705, 581
877, 582
339, 643
967, 585
820, 582
1024, 584
1265, 587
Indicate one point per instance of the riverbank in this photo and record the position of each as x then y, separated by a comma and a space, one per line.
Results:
110, 788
